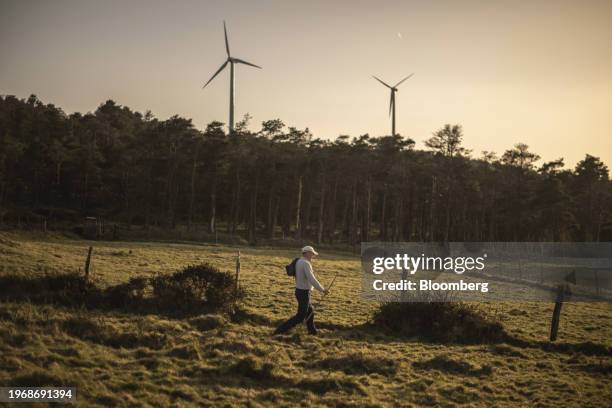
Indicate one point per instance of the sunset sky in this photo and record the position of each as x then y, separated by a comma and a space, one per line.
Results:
508, 71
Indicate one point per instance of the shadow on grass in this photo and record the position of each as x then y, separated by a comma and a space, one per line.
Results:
508, 345
478, 332
257, 373
587, 348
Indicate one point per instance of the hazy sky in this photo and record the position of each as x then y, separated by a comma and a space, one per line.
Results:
509, 71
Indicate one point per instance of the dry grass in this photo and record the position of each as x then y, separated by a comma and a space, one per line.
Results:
123, 359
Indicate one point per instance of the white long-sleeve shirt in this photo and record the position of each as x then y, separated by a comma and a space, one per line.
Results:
304, 276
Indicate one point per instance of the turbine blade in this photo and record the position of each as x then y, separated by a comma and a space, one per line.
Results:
398, 84
216, 73
226, 41
391, 102
381, 81
245, 62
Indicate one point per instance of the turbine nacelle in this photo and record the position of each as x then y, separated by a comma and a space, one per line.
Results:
229, 59
394, 87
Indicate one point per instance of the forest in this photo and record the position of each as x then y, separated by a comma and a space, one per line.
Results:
282, 182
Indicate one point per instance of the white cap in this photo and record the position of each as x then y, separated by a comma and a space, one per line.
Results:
309, 249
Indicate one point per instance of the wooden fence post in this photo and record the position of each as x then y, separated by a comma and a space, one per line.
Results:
88, 263
554, 324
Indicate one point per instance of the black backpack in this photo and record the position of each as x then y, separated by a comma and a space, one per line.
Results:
291, 267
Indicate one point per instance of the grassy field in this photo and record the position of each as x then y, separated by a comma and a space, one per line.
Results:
124, 359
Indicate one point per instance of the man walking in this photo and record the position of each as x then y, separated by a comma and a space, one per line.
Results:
304, 282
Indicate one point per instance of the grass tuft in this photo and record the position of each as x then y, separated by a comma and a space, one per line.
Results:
446, 364
254, 368
357, 364
38, 378
208, 322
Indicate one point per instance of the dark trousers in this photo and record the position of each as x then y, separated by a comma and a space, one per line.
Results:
305, 310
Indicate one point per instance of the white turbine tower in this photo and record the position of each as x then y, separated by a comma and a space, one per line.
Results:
230, 60
392, 101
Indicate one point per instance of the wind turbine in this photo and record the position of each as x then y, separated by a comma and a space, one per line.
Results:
230, 60
392, 101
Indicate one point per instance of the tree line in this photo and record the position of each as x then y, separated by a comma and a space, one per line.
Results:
282, 182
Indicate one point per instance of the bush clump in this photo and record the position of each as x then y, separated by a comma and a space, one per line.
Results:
196, 289
446, 322
127, 294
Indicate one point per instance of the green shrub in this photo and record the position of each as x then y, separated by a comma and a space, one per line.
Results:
196, 289
451, 322
131, 293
